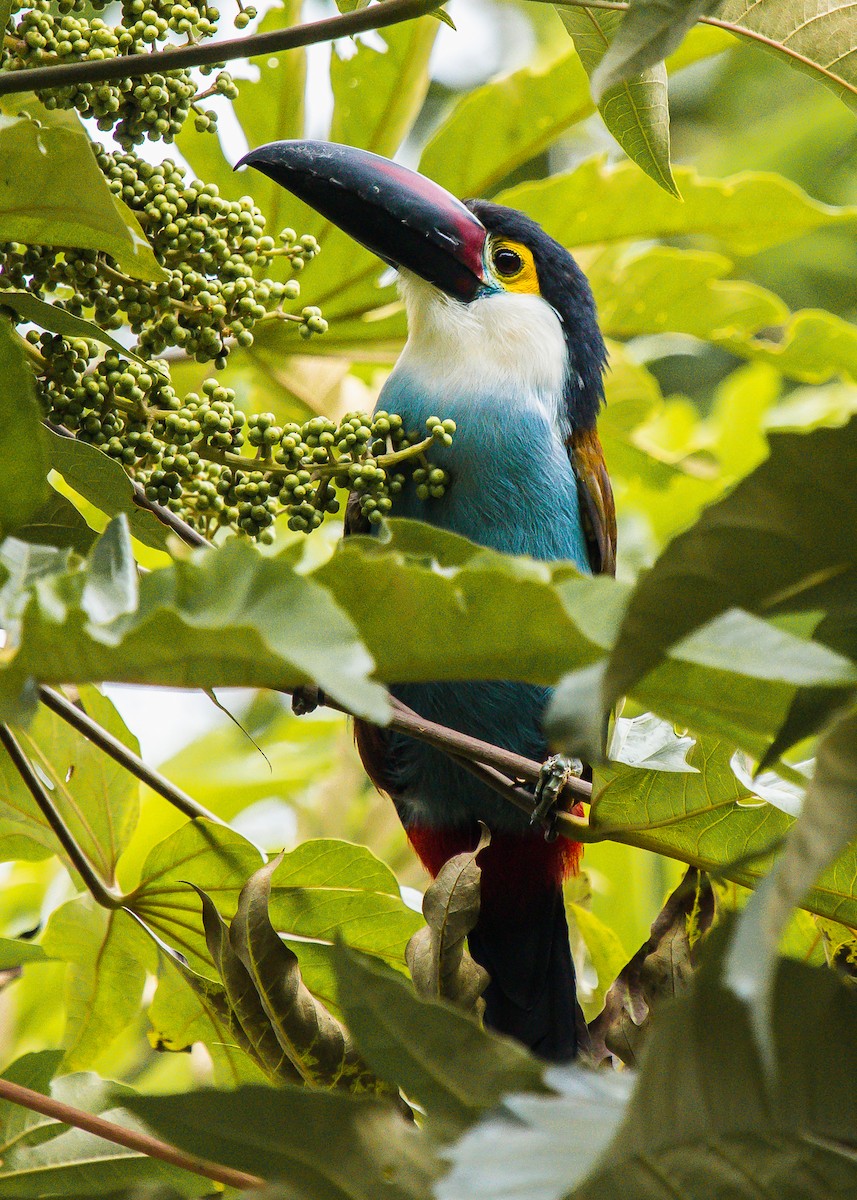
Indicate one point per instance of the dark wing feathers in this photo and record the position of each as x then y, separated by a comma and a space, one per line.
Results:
597, 509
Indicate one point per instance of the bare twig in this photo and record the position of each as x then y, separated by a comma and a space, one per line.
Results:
133, 1139
132, 66
106, 896
120, 753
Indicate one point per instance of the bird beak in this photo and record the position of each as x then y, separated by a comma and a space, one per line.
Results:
401, 216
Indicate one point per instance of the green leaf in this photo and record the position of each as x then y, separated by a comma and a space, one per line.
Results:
637, 111
604, 950
600, 202
58, 523
662, 289
103, 482
438, 960
766, 547
16, 952
327, 889
96, 797
243, 998
812, 346
50, 316
712, 821
34, 1071
23, 485
827, 824
217, 859
460, 605
317, 1045
815, 41
56, 196
108, 959
526, 111
700, 1122
224, 617
650, 30
322, 1145
440, 1056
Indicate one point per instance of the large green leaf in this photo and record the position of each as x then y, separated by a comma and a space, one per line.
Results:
813, 346
439, 1056
700, 1122
108, 957
712, 821
103, 482
461, 605
785, 540
34, 1071
600, 202
23, 485
96, 797
215, 859
327, 890
818, 41
636, 111
56, 195
227, 616
322, 1145
58, 523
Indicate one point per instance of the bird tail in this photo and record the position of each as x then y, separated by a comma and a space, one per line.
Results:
532, 993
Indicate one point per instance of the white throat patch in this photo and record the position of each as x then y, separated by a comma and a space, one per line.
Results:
506, 344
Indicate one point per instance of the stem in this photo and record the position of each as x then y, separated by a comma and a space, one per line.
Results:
132, 66
120, 753
106, 896
143, 1143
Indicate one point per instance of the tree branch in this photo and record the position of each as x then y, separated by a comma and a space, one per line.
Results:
106, 896
133, 1139
120, 753
132, 66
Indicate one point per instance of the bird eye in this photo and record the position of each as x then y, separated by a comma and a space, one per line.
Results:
507, 262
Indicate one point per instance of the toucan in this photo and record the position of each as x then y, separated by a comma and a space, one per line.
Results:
503, 339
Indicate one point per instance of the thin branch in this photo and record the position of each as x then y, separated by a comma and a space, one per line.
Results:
120, 753
106, 896
133, 1139
132, 66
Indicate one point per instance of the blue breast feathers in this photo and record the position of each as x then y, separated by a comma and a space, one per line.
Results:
512, 489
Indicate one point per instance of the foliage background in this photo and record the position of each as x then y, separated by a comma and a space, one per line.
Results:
707, 360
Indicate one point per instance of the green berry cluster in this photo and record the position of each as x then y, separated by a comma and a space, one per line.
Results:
154, 107
212, 250
186, 452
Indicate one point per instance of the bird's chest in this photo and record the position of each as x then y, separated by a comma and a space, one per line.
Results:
512, 487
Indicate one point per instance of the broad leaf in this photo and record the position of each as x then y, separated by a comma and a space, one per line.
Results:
58, 523
23, 484
637, 111
324, 1146
814, 41
56, 196
766, 547
108, 959
438, 1055
224, 617
50, 316
602, 202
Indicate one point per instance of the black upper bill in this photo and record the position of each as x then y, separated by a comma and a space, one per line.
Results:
401, 216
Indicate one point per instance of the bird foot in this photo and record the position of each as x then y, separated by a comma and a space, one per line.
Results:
306, 699
554, 775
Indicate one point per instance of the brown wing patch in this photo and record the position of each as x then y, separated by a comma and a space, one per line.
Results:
597, 508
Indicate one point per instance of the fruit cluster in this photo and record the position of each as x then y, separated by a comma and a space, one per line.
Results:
187, 452
211, 249
154, 107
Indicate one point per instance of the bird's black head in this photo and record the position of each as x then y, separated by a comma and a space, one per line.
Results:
522, 258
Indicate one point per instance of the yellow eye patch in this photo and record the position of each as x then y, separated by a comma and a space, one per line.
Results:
513, 266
